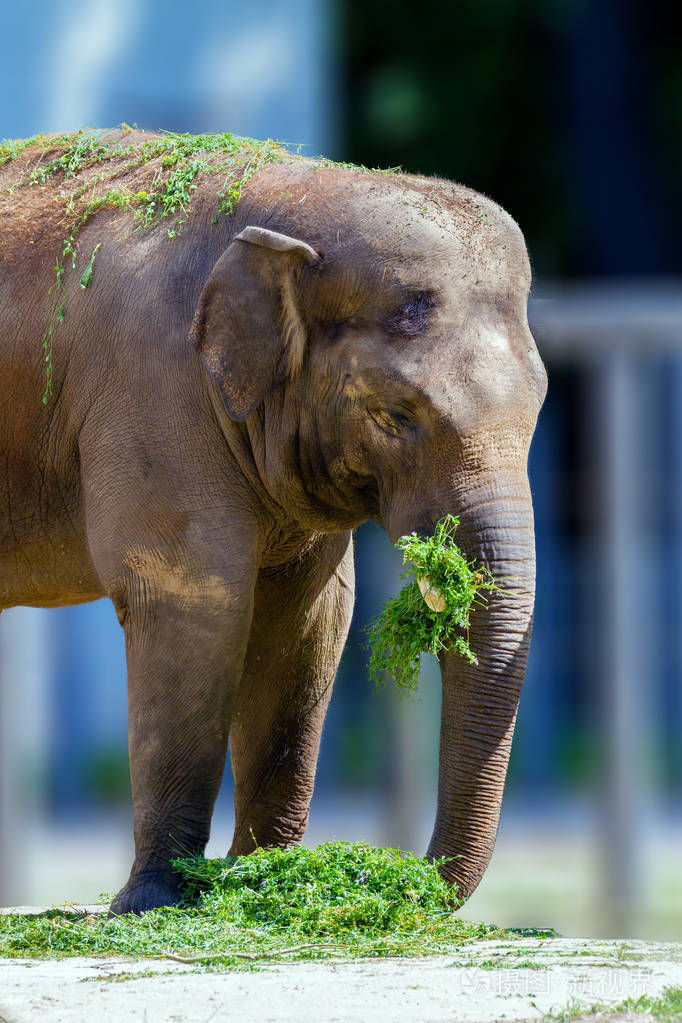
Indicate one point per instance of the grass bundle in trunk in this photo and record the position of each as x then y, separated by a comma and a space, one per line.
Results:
431, 613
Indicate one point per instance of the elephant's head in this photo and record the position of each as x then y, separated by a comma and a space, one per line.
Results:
373, 336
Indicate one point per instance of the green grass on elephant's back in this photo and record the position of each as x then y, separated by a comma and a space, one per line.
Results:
337, 900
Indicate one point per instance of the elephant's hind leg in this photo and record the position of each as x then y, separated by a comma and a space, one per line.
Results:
301, 620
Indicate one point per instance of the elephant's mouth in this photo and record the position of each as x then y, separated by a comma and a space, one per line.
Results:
347, 502
365, 493
370, 496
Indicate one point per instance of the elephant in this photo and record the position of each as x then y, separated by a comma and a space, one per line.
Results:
262, 353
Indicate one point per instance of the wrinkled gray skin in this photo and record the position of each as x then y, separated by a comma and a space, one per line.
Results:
228, 406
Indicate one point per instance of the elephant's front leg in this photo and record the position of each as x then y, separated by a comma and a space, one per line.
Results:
301, 618
185, 653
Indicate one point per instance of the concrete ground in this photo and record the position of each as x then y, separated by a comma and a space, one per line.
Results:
485, 982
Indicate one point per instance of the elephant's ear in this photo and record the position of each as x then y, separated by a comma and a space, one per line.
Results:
248, 326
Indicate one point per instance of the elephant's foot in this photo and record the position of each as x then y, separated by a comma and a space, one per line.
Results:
148, 890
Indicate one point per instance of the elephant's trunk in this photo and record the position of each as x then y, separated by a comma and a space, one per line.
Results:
480, 701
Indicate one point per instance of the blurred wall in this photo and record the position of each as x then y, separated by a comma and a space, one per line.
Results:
264, 69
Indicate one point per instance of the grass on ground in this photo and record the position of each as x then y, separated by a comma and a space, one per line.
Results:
667, 1008
339, 900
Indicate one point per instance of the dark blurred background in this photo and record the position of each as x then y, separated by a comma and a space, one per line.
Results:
570, 116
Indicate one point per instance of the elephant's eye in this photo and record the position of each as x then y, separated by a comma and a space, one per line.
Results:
412, 317
391, 421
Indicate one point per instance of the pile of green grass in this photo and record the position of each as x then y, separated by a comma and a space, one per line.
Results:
331, 891
339, 900
408, 627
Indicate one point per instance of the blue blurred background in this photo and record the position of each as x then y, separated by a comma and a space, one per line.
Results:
570, 116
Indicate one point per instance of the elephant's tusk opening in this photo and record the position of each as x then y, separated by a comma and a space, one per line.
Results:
433, 598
